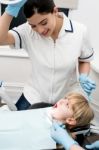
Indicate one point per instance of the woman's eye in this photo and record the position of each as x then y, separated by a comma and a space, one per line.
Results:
44, 23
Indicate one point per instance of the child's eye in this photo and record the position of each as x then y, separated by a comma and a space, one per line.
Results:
68, 105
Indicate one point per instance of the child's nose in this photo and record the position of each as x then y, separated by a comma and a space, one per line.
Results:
63, 101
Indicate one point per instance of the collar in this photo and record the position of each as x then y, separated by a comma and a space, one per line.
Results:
67, 25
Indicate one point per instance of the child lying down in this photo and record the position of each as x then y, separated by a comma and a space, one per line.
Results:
30, 129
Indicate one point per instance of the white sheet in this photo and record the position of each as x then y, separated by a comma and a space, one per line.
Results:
25, 130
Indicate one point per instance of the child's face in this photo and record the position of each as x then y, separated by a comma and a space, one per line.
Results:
62, 110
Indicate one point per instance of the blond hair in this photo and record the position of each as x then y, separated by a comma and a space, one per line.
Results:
82, 112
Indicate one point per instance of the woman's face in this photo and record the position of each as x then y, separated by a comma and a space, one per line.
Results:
62, 110
44, 24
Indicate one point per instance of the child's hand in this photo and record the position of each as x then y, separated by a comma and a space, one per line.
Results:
13, 9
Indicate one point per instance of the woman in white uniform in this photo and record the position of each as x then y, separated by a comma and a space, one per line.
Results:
58, 48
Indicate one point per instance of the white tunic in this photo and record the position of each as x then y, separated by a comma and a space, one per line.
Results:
54, 64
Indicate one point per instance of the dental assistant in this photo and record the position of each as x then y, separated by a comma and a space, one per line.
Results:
59, 50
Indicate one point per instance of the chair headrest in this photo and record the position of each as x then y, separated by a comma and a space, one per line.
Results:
81, 129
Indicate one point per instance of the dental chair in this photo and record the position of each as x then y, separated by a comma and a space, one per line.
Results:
85, 136
81, 133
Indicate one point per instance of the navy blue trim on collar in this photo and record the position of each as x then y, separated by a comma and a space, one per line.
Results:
71, 27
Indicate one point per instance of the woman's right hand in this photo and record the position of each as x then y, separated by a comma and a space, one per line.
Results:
13, 9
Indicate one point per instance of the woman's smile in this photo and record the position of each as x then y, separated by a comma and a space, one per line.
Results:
45, 32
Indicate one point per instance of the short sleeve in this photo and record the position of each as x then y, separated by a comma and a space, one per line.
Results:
21, 34
17, 39
87, 51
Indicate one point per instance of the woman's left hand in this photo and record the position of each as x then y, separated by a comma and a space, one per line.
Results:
87, 84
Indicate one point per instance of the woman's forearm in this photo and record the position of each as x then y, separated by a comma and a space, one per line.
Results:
84, 67
5, 21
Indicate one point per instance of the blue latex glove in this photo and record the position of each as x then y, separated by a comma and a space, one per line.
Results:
61, 136
13, 9
87, 84
94, 146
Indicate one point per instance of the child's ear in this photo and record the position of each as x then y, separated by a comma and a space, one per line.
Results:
71, 121
55, 10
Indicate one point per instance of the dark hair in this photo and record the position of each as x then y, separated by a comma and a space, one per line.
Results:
38, 6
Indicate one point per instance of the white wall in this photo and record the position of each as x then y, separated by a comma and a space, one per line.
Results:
66, 3
15, 69
87, 13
